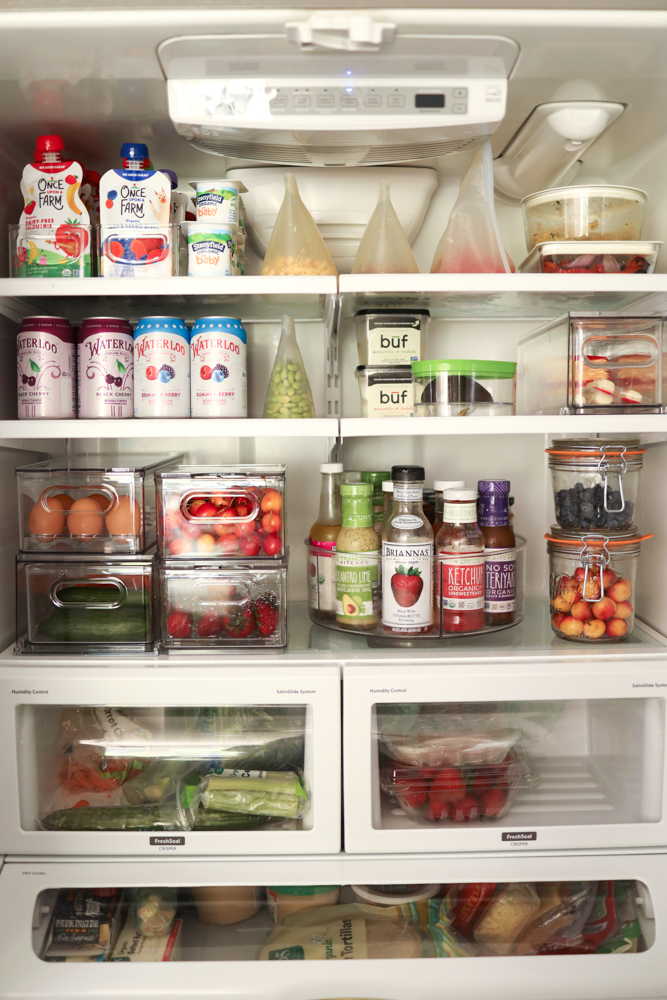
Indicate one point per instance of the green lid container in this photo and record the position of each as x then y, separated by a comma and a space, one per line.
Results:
480, 369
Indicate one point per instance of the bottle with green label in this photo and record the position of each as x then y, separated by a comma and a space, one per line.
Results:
376, 480
357, 560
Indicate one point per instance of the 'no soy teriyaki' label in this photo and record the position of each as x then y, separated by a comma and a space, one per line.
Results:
499, 580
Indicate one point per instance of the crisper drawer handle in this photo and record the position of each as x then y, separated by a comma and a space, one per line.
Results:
241, 595
88, 581
104, 489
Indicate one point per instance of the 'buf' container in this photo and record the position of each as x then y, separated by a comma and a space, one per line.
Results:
219, 378
45, 369
105, 357
161, 367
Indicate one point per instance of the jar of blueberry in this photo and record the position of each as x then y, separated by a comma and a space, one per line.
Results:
595, 483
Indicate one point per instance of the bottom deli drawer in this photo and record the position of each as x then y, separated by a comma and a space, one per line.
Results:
554, 927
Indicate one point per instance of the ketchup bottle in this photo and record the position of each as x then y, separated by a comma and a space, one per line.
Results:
459, 567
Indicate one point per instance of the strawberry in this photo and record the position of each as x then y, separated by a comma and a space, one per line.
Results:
413, 799
448, 786
436, 811
481, 783
209, 624
466, 809
266, 614
179, 625
493, 802
406, 587
239, 623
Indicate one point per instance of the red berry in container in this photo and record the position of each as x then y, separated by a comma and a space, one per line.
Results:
493, 802
272, 545
179, 625
466, 809
448, 786
436, 811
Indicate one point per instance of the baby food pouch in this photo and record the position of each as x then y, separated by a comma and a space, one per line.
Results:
54, 237
135, 207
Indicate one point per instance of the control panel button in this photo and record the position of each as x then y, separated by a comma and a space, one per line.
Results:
395, 101
460, 92
459, 109
279, 103
325, 101
373, 101
302, 100
349, 102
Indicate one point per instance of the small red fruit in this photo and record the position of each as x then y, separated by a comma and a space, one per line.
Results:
271, 523
179, 625
191, 530
412, 798
209, 625
465, 810
252, 545
493, 802
436, 811
272, 545
179, 546
271, 501
268, 617
206, 509
448, 786
240, 623
228, 544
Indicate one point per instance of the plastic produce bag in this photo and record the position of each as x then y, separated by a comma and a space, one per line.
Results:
564, 908
288, 395
85, 736
155, 910
296, 245
471, 242
384, 248
611, 924
259, 793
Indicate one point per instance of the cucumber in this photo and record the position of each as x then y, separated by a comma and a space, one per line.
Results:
86, 625
209, 819
101, 594
109, 818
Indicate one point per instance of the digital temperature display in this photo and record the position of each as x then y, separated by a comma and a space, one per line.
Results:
429, 100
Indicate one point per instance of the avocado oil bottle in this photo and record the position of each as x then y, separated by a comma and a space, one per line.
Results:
357, 560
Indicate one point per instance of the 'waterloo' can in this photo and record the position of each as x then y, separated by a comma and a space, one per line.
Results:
105, 357
161, 367
46, 367
218, 366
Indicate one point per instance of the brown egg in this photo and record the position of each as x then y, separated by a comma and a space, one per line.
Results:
82, 520
64, 499
125, 518
46, 522
104, 503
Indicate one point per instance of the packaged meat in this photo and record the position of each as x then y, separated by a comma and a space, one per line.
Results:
84, 925
611, 927
598, 257
561, 905
510, 910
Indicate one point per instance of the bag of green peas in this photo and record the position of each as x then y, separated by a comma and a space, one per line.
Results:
288, 395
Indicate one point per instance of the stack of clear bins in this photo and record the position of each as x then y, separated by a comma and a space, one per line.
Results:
85, 570
222, 564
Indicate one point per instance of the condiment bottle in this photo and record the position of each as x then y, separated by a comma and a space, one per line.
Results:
407, 557
357, 560
376, 479
439, 486
387, 499
499, 551
459, 577
323, 535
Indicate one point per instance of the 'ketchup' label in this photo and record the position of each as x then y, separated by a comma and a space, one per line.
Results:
462, 580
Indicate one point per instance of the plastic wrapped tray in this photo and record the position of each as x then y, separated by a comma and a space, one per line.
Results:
595, 257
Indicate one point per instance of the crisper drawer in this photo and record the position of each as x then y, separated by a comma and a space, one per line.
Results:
206, 760
581, 927
449, 757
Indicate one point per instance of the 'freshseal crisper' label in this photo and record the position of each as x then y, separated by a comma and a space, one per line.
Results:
407, 585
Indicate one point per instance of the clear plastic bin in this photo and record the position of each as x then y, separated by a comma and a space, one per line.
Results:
464, 388
595, 483
584, 212
221, 512
69, 251
598, 257
603, 363
391, 336
84, 604
141, 252
458, 794
385, 390
213, 606
593, 584
89, 503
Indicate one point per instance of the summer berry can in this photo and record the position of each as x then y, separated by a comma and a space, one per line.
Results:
46, 366
105, 356
219, 378
161, 367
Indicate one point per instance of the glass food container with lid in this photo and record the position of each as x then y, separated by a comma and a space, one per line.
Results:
461, 388
584, 212
595, 483
592, 584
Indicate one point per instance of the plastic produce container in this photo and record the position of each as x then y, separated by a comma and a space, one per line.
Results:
458, 794
595, 483
593, 584
593, 364
584, 212
386, 390
391, 336
221, 512
454, 388
213, 606
598, 257
89, 503
84, 604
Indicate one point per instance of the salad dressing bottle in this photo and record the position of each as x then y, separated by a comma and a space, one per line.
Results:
499, 551
357, 560
407, 557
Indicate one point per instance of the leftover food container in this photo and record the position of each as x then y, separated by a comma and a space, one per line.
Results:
84, 604
221, 512
457, 794
386, 390
226, 904
284, 900
391, 336
393, 895
461, 388
88, 503
599, 257
595, 483
584, 212
604, 363
212, 606
593, 584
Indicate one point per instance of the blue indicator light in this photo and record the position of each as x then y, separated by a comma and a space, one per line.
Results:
349, 90
348, 72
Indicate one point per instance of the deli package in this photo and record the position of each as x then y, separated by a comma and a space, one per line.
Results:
84, 925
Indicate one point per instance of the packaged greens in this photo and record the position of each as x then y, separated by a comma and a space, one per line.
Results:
262, 793
154, 910
296, 246
288, 395
384, 248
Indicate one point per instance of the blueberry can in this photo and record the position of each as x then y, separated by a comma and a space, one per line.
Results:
105, 355
161, 367
219, 371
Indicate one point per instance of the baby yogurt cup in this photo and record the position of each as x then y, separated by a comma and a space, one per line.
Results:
217, 201
211, 249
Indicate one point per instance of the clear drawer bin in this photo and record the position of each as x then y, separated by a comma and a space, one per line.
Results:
84, 604
221, 512
89, 503
214, 606
595, 483
593, 364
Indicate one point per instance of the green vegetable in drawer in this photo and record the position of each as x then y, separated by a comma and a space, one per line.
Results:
110, 818
88, 625
276, 755
102, 594
261, 793
210, 819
